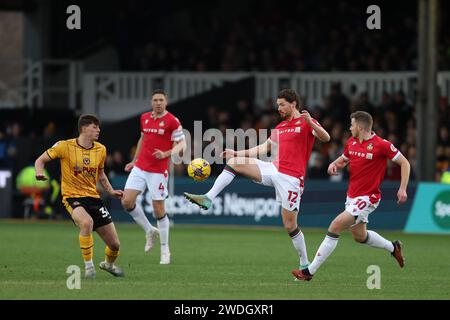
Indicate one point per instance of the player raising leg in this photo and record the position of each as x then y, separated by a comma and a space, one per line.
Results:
367, 156
296, 132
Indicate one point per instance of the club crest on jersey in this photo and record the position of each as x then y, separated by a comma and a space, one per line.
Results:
146, 121
298, 122
86, 161
370, 147
161, 124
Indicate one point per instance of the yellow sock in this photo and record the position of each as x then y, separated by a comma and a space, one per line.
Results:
87, 247
110, 255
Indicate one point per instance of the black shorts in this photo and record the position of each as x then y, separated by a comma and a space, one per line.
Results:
94, 207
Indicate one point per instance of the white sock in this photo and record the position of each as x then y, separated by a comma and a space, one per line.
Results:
326, 248
89, 264
377, 241
221, 182
141, 219
299, 243
163, 226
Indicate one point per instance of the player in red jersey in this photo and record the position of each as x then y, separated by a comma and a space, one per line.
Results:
367, 156
161, 136
293, 138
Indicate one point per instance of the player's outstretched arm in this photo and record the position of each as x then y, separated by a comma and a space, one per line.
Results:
261, 149
320, 132
402, 196
103, 179
336, 165
39, 165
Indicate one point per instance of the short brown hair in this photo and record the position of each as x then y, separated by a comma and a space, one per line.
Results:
159, 91
290, 96
363, 118
87, 119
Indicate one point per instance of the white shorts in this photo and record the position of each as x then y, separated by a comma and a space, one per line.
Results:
288, 189
360, 207
155, 182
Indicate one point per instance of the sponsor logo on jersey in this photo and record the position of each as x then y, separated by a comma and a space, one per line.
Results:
290, 130
150, 130
77, 170
161, 131
366, 155
85, 171
298, 129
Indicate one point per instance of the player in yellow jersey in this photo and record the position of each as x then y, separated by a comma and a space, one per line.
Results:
82, 165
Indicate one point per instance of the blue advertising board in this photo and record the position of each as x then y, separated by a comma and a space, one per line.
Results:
247, 203
431, 209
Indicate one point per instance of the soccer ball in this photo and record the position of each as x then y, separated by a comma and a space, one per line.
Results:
199, 169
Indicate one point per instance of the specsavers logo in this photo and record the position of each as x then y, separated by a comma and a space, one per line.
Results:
441, 210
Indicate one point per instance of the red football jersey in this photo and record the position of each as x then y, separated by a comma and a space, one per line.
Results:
367, 165
294, 140
159, 134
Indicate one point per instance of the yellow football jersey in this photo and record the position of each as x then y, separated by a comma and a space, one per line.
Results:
79, 167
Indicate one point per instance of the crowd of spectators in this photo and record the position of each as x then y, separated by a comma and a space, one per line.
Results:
8, 146
394, 119
272, 36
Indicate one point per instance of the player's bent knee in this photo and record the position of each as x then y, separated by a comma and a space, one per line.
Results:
289, 227
334, 228
115, 246
232, 162
359, 239
128, 204
86, 224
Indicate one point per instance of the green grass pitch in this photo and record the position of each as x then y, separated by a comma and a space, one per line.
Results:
213, 262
